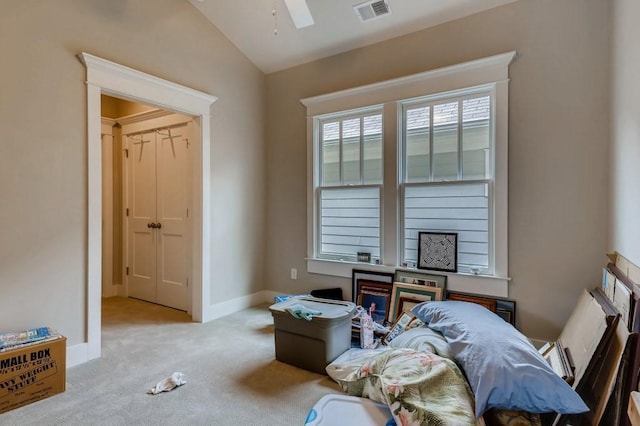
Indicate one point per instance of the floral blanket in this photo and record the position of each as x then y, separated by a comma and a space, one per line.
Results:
420, 388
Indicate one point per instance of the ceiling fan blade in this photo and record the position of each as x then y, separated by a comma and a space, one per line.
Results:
300, 13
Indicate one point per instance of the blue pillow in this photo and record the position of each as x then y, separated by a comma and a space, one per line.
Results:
503, 368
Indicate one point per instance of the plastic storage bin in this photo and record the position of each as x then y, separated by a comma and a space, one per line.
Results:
313, 344
338, 410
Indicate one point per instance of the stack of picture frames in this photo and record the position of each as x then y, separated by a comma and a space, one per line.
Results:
504, 308
389, 295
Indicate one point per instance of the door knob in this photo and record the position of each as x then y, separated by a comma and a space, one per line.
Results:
158, 225
150, 225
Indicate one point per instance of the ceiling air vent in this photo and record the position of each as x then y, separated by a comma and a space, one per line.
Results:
371, 10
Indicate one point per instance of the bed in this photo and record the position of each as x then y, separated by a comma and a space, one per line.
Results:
460, 365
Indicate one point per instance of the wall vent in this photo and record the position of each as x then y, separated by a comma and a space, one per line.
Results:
372, 9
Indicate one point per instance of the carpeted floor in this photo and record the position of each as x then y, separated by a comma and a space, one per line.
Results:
231, 372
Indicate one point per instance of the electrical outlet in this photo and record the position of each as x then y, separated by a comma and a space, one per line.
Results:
294, 274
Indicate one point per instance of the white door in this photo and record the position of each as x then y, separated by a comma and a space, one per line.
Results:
158, 232
173, 182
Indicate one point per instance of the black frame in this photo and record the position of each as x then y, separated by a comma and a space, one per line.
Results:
420, 263
363, 274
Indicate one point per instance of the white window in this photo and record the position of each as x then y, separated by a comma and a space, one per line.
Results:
349, 165
426, 152
447, 174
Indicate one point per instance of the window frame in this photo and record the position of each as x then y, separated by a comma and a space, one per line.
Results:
318, 122
430, 101
484, 71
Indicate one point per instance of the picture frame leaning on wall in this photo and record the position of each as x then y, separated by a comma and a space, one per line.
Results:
364, 274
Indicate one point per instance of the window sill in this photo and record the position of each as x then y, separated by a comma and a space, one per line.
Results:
489, 285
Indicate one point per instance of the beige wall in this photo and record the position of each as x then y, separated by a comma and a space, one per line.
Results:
43, 165
558, 145
625, 228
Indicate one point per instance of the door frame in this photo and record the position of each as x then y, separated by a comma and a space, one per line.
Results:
113, 79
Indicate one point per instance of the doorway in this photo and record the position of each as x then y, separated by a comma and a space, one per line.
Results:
107, 77
147, 172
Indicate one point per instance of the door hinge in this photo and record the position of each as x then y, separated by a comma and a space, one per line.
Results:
127, 211
126, 271
187, 282
126, 152
187, 211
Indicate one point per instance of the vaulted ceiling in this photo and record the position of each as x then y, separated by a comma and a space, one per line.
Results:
251, 25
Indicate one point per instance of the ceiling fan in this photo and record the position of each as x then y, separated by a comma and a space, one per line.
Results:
300, 13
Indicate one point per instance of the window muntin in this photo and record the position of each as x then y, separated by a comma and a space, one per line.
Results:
350, 176
446, 176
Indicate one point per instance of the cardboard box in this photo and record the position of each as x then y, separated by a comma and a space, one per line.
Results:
32, 372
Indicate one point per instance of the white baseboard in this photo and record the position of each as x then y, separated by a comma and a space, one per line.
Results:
229, 307
77, 354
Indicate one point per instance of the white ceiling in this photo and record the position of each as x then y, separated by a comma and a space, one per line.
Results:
250, 25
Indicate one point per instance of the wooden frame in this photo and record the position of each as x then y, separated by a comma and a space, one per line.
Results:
405, 304
555, 355
504, 308
421, 278
490, 304
369, 292
400, 325
438, 251
363, 274
415, 292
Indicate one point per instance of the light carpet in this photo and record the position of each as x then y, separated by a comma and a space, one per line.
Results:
232, 375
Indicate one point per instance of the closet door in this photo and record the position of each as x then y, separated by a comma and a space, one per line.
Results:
142, 237
159, 227
173, 179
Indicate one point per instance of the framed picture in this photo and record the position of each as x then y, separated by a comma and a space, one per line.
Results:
438, 251
364, 256
413, 277
555, 355
416, 292
488, 303
400, 325
362, 274
506, 309
405, 304
375, 297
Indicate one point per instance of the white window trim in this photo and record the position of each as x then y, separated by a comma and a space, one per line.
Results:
489, 70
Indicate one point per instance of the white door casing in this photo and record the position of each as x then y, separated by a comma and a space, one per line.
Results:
108, 288
107, 77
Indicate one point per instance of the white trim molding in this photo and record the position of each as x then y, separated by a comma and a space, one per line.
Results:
490, 72
228, 307
467, 74
107, 77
